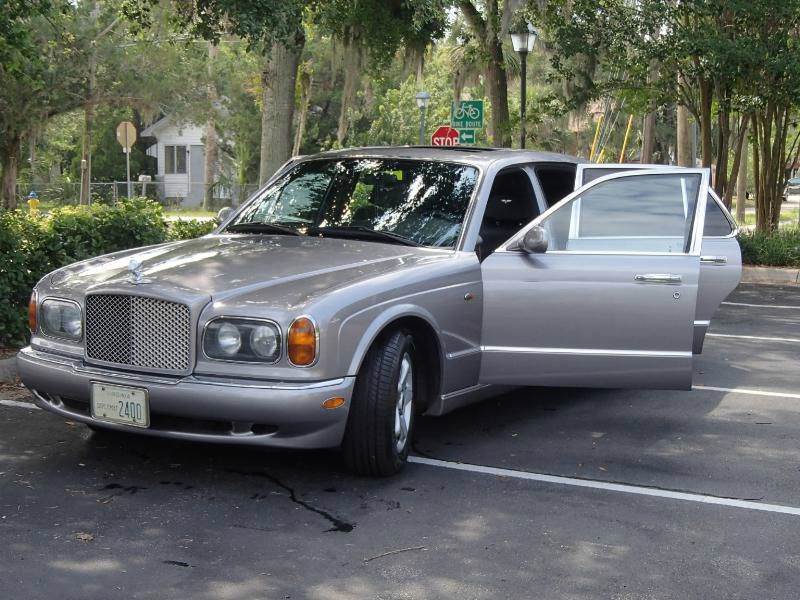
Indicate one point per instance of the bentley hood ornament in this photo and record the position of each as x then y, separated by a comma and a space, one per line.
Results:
135, 272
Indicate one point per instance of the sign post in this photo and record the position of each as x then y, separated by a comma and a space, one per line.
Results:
126, 136
444, 136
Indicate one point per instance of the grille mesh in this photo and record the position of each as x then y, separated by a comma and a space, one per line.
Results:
138, 331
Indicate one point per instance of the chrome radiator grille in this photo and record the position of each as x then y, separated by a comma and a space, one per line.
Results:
138, 331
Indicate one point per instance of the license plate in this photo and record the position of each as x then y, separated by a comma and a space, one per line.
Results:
120, 404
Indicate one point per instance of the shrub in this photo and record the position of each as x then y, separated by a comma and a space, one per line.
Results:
87, 231
32, 246
779, 249
189, 229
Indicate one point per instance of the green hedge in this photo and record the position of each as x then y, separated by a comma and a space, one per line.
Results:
33, 245
188, 229
779, 249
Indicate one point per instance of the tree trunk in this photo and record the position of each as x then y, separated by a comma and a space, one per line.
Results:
10, 164
487, 33
498, 90
770, 129
706, 98
86, 153
305, 95
649, 124
88, 119
648, 138
741, 136
352, 75
211, 143
741, 181
723, 146
33, 137
684, 143
278, 79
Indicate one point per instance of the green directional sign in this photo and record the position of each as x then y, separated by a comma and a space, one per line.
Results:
467, 114
466, 136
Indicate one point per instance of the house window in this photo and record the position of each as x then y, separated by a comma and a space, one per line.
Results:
174, 159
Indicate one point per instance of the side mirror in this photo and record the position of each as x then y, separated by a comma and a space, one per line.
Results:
224, 213
534, 241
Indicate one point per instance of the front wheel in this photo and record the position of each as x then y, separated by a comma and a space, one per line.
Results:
381, 418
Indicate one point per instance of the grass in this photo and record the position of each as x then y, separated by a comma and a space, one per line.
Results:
788, 217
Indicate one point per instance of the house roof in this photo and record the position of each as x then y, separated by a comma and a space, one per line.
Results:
150, 130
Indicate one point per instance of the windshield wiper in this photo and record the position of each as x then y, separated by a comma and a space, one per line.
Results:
262, 227
361, 232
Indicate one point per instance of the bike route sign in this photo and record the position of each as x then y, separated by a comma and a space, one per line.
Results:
467, 114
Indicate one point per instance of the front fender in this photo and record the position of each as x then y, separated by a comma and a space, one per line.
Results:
360, 330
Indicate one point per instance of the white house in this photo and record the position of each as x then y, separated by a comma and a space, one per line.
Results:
180, 157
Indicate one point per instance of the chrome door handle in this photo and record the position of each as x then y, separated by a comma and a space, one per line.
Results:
714, 260
666, 278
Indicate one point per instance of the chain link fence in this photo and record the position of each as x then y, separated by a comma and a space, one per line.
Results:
171, 195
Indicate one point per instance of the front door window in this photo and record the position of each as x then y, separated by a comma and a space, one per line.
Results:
646, 213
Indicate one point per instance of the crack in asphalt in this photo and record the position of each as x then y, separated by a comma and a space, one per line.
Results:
339, 525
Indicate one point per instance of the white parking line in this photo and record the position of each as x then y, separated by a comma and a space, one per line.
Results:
754, 337
747, 391
609, 487
761, 305
30, 405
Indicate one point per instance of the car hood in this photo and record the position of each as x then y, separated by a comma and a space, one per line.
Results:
223, 266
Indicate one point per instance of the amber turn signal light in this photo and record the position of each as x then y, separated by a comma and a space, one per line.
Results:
302, 342
334, 402
32, 313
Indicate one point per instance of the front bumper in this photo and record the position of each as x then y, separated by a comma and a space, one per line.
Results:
207, 409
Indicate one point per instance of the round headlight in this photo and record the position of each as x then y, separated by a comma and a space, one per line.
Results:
264, 341
229, 339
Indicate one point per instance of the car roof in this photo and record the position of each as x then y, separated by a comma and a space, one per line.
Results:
465, 154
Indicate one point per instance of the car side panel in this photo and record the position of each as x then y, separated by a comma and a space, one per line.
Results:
717, 280
559, 319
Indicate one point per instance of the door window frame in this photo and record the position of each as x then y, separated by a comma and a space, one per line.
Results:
619, 167
698, 221
725, 213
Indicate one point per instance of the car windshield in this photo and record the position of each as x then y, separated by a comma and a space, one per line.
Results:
419, 202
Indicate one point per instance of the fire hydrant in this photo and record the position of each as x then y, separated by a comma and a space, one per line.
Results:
33, 203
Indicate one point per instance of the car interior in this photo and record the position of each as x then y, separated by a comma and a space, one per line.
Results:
512, 202
511, 205
557, 180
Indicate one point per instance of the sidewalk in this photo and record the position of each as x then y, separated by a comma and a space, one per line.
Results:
770, 275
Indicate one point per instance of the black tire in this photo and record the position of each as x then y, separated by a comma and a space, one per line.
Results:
370, 442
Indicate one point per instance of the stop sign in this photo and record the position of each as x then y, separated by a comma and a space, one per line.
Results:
445, 136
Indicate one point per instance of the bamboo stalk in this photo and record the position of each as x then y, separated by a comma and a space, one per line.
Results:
596, 135
625, 139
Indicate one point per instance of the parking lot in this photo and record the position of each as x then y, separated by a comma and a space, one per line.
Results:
587, 494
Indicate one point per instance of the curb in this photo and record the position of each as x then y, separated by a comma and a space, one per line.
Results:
770, 275
8, 369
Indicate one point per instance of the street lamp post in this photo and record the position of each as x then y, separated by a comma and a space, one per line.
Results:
523, 43
422, 103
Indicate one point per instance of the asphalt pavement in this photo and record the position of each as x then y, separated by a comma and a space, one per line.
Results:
541, 493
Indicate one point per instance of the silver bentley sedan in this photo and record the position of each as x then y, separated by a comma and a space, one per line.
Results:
360, 288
